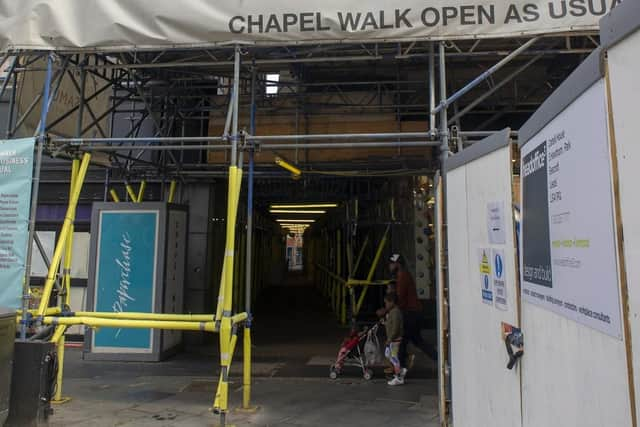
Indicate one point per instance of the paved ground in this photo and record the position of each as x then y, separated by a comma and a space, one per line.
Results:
184, 401
295, 340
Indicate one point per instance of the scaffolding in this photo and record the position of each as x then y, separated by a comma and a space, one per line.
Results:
183, 96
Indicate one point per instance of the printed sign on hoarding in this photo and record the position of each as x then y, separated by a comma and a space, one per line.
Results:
499, 279
569, 253
16, 169
486, 283
125, 275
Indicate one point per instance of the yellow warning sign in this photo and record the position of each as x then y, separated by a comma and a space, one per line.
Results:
485, 267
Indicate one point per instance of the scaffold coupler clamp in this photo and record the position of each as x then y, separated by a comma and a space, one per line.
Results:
26, 319
454, 135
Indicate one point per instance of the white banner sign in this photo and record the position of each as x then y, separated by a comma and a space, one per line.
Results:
569, 253
156, 24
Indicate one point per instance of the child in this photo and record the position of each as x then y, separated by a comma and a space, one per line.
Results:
393, 325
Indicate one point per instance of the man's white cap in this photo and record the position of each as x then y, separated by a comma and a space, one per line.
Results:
394, 258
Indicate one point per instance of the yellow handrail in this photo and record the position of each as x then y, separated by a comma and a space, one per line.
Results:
148, 316
96, 322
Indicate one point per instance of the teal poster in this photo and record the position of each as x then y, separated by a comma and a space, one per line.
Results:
125, 275
16, 170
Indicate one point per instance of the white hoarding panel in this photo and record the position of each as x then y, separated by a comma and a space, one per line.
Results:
484, 391
574, 370
159, 24
569, 254
624, 69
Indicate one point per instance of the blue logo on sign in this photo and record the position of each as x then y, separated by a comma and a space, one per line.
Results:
486, 282
498, 265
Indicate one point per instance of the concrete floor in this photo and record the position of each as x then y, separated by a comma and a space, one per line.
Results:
295, 340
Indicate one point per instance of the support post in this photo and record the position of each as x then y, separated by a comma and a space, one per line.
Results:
339, 286
83, 84
12, 101
66, 286
246, 374
34, 195
444, 128
432, 89
236, 99
225, 299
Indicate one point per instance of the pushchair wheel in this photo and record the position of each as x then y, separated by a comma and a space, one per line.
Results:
333, 374
368, 374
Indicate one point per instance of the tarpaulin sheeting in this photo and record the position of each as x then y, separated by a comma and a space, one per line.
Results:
160, 24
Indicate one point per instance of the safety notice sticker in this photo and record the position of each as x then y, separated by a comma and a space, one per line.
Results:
486, 281
499, 279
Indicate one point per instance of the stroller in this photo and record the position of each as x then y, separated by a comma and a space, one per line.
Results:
361, 350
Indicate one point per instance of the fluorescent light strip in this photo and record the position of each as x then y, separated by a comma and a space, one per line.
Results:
293, 221
305, 206
287, 211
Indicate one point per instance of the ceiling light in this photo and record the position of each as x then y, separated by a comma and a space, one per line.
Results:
287, 211
293, 221
305, 206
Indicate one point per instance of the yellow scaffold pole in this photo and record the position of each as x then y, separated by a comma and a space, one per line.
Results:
143, 187
246, 371
228, 332
64, 232
66, 286
360, 255
172, 191
226, 348
372, 270
58, 335
341, 311
147, 316
96, 322
131, 193
114, 195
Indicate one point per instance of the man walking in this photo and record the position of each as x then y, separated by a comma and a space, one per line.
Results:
411, 307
